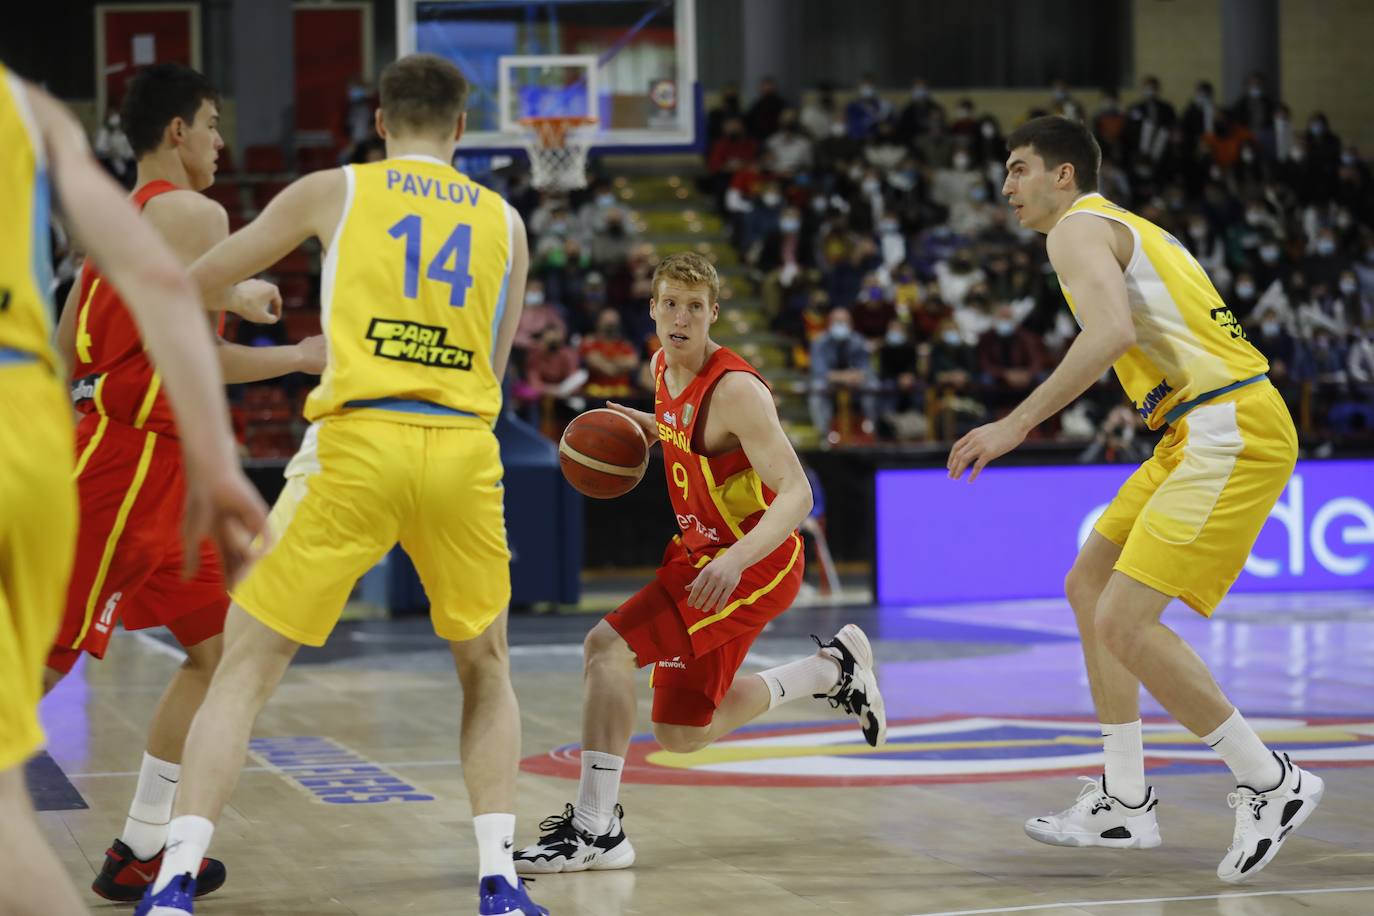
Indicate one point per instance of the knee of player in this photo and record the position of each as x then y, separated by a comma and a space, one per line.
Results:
681, 739
1114, 629
603, 643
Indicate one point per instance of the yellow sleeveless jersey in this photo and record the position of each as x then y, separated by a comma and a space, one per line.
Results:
1188, 345
413, 290
25, 247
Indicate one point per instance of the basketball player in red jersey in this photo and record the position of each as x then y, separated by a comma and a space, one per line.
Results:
129, 472
739, 493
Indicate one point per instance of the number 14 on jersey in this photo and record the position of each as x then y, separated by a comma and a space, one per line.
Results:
450, 263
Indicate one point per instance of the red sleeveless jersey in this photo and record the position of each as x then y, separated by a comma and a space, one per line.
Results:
717, 498
113, 375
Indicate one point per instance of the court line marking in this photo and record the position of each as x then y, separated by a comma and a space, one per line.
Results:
1080, 903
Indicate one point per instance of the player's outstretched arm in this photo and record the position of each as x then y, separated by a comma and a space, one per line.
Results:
1080, 250
255, 364
746, 406
310, 206
220, 503
515, 294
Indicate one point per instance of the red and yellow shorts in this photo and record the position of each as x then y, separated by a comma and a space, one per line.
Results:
131, 488
696, 654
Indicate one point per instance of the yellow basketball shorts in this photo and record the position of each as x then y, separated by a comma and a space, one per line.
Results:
357, 487
37, 543
1188, 517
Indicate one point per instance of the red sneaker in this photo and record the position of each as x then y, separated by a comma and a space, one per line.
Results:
124, 877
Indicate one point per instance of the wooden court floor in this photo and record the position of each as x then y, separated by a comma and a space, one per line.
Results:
982, 700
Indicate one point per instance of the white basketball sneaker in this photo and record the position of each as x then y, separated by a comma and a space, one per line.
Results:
856, 692
562, 847
1264, 819
1099, 819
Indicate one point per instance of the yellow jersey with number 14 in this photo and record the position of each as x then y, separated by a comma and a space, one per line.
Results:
1189, 345
413, 290
25, 248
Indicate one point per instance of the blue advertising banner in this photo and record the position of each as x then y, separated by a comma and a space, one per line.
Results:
1015, 532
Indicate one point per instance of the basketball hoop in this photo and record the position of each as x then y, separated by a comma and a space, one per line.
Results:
557, 148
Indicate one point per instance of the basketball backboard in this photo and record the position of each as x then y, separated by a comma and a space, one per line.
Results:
629, 64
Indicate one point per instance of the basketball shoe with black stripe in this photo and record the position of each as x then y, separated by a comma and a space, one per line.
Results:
856, 692
562, 847
1264, 819
1099, 819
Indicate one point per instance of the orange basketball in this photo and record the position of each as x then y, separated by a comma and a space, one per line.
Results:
603, 453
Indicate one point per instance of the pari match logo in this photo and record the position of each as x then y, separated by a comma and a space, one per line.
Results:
956, 749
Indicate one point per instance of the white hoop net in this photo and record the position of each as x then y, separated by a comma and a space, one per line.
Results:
557, 149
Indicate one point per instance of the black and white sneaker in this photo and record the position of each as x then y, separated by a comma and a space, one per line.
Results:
562, 847
1264, 819
1099, 819
856, 692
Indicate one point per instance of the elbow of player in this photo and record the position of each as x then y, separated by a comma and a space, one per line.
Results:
1122, 339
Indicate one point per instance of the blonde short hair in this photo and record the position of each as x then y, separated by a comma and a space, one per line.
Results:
689, 269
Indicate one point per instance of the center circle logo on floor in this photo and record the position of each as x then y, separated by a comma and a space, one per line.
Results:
956, 749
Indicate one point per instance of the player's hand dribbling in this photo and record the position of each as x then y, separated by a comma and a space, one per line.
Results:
710, 591
257, 301
982, 445
313, 354
646, 420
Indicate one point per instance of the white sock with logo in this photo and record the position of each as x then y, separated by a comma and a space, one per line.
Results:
598, 792
145, 830
495, 842
188, 837
804, 677
1253, 763
1124, 752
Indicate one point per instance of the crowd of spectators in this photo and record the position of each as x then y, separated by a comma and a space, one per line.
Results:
918, 306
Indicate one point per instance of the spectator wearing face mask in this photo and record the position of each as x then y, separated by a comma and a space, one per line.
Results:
553, 374
1323, 262
611, 360
989, 147
731, 151
783, 259
952, 187
1109, 126
952, 374
1207, 247
1255, 107
874, 310
1323, 146
1244, 297
1359, 307
1151, 118
1277, 137
898, 382
957, 276
1011, 361
868, 109
840, 361
1255, 239
538, 316
915, 119
112, 148
1226, 140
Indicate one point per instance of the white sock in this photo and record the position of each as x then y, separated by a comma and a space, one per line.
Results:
1124, 750
495, 840
145, 830
804, 677
598, 792
1253, 763
188, 839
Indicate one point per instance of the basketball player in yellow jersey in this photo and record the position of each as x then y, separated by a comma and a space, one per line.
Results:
423, 280
1183, 524
39, 140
